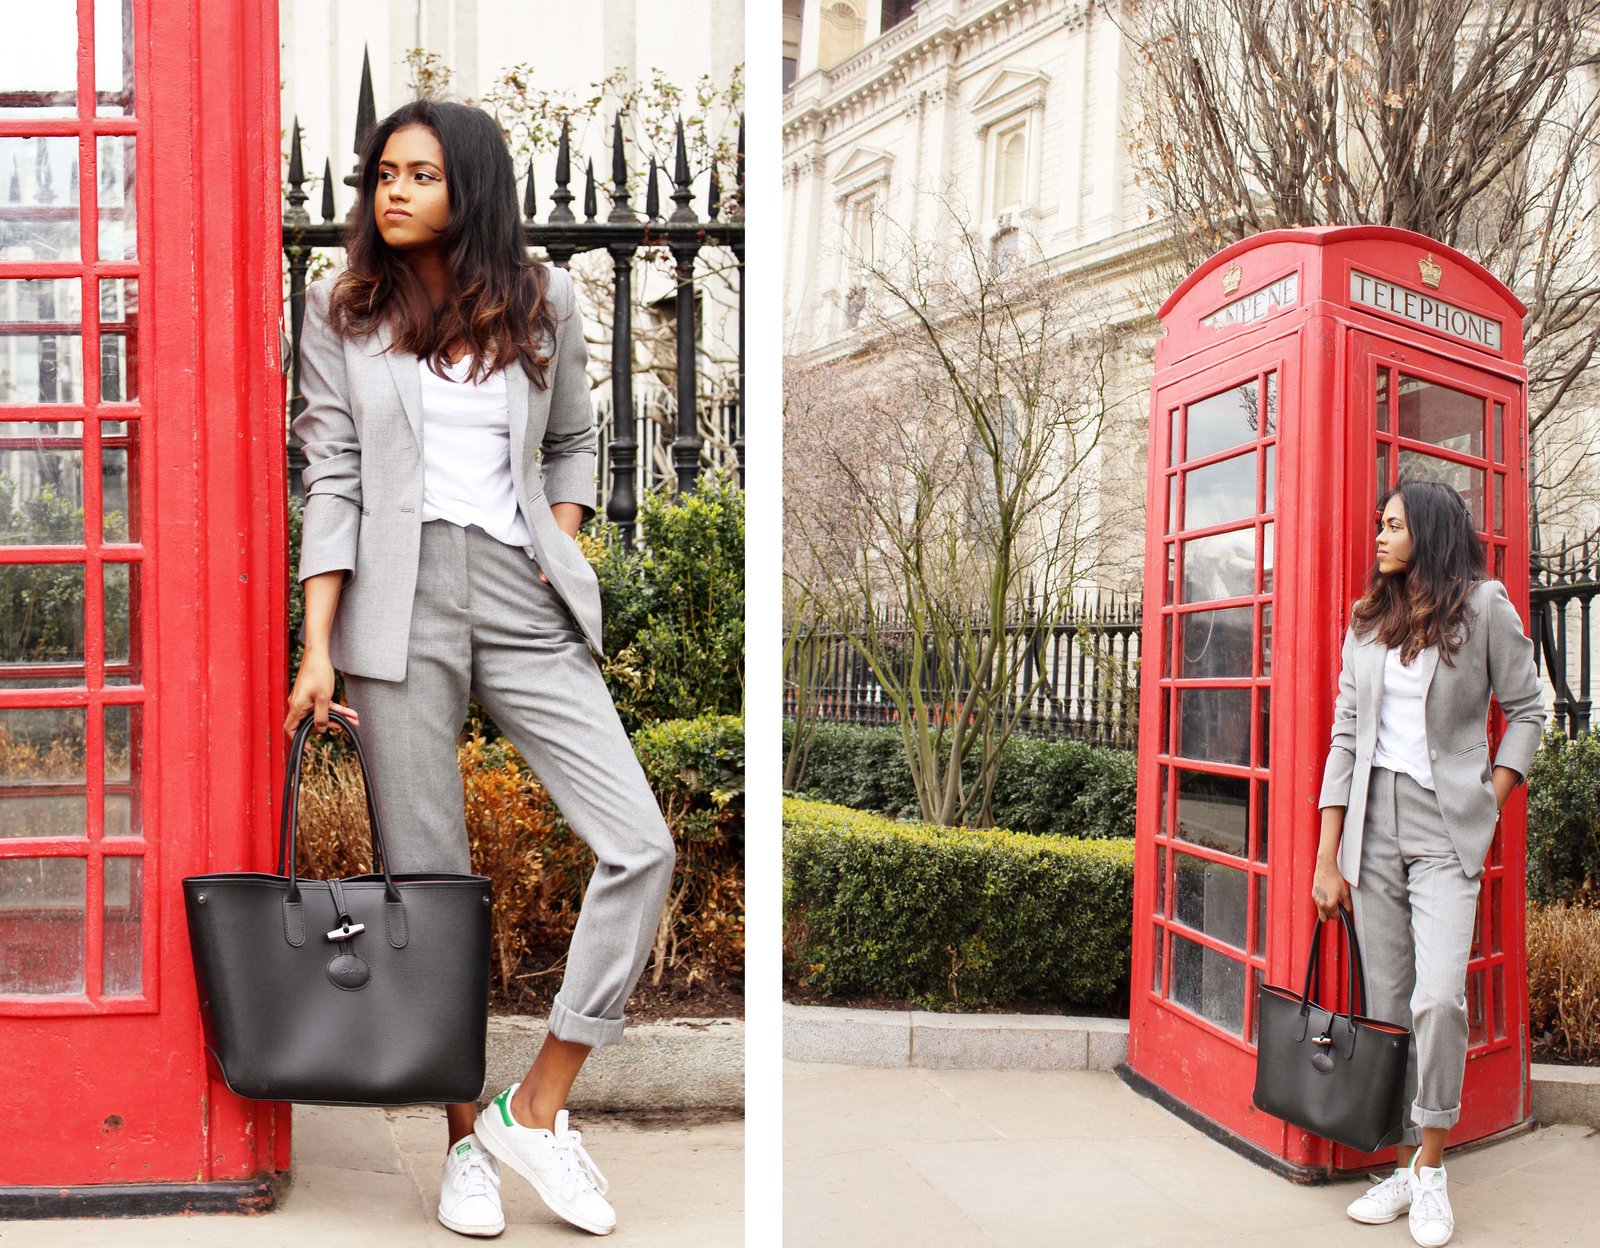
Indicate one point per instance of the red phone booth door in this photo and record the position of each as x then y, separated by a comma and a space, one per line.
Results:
1442, 420
142, 589
1215, 511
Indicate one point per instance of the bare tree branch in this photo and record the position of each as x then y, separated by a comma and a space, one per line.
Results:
940, 490
1475, 124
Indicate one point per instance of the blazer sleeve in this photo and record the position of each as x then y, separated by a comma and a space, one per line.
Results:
332, 475
1515, 682
1340, 767
567, 453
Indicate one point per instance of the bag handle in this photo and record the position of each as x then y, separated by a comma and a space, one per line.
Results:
1355, 973
288, 829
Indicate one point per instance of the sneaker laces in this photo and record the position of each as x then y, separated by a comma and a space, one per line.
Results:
1384, 1188
474, 1175
576, 1163
1428, 1204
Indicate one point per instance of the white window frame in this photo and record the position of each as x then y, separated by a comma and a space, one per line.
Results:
861, 189
1012, 101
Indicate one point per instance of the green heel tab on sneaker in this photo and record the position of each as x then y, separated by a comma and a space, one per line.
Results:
504, 1102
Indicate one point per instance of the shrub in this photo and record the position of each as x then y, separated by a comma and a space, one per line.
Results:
539, 867
1564, 979
696, 767
857, 766
1062, 788
674, 608
1564, 819
953, 918
1066, 787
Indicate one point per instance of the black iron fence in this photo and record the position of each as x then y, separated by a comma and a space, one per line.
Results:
1564, 583
1076, 678
654, 425
1089, 661
709, 426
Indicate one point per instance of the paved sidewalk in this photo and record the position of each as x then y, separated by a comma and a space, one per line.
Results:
369, 1178
892, 1156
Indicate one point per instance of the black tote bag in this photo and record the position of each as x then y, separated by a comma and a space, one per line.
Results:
1340, 1076
367, 991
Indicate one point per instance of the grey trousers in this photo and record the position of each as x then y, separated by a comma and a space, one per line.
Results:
484, 623
1414, 912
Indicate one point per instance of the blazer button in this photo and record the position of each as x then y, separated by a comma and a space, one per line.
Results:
1433, 754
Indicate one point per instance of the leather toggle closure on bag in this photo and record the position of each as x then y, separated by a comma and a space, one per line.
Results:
346, 969
348, 927
1340, 1076
398, 1015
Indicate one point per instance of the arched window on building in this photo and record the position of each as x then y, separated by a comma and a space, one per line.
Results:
1010, 168
1009, 115
860, 251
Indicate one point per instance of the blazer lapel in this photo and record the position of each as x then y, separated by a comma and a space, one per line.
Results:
1375, 655
403, 369
1429, 659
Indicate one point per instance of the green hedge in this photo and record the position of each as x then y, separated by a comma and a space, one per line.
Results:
1564, 819
673, 607
860, 767
696, 766
953, 918
1062, 788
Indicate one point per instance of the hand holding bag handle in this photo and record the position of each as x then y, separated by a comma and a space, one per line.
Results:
288, 836
1355, 995
398, 1014
1344, 1080
289, 817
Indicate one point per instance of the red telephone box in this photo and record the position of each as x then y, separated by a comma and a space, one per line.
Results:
143, 584
1302, 373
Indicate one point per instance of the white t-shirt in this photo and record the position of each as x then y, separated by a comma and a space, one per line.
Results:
466, 453
1402, 743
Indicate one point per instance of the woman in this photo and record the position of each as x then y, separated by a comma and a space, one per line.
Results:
1410, 799
439, 560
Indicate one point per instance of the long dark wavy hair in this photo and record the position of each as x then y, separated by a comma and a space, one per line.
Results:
497, 301
1425, 603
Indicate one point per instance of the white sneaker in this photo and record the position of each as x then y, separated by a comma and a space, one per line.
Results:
555, 1162
1383, 1202
1432, 1222
469, 1190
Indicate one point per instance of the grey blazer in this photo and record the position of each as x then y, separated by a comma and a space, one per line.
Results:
362, 432
1497, 658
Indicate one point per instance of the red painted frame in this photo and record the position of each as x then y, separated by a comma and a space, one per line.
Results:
1326, 351
115, 1091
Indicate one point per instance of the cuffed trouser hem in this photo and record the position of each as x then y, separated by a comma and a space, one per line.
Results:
581, 1029
1434, 1117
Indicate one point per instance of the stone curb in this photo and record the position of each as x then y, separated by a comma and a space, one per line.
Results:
1567, 1095
675, 1063
819, 1033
